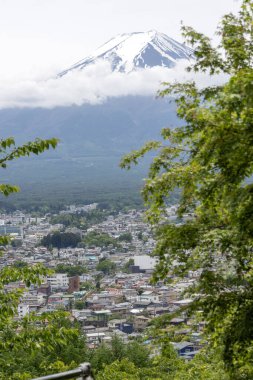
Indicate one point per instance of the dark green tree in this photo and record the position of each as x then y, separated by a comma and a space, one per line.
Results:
40, 345
119, 370
87, 285
127, 237
127, 266
79, 305
71, 270
101, 357
61, 240
106, 266
98, 239
138, 354
210, 159
106, 354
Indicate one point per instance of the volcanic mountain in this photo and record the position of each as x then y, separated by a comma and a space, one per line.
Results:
139, 50
93, 138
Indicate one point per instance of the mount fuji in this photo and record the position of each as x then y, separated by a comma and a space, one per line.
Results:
139, 50
93, 138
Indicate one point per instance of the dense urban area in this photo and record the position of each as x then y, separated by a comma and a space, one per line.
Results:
101, 272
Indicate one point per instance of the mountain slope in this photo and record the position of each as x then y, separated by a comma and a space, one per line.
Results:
92, 141
128, 52
93, 138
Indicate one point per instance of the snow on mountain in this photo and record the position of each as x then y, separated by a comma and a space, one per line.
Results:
140, 50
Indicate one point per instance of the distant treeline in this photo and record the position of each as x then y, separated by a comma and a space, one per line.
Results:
40, 202
52, 200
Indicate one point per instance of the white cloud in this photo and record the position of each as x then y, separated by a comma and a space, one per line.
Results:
92, 85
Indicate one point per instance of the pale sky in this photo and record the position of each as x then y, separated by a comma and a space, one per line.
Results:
42, 37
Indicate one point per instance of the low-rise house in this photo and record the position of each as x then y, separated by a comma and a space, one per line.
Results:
141, 322
114, 324
89, 329
121, 309
95, 338
150, 296
177, 321
184, 348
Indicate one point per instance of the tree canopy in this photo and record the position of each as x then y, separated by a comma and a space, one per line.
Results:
61, 240
71, 270
82, 220
98, 239
210, 160
106, 266
126, 236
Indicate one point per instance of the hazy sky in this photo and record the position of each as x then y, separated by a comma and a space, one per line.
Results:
39, 37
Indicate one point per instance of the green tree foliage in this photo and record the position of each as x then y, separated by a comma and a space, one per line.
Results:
127, 266
127, 237
106, 266
37, 345
106, 354
166, 366
9, 151
70, 220
137, 354
71, 270
82, 220
61, 240
101, 357
119, 370
87, 285
206, 365
79, 305
98, 239
210, 159
20, 264
34, 345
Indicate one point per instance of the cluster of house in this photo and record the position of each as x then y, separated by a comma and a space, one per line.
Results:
122, 303
78, 209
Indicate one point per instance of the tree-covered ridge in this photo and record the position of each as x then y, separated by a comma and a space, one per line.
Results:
210, 159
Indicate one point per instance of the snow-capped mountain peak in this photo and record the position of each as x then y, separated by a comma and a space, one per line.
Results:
139, 50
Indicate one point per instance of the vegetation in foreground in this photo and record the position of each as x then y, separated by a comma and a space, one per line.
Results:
210, 159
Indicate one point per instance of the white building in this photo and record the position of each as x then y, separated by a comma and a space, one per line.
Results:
23, 310
58, 281
145, 262
149, 296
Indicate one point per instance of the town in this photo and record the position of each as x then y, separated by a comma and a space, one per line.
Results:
100, 272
